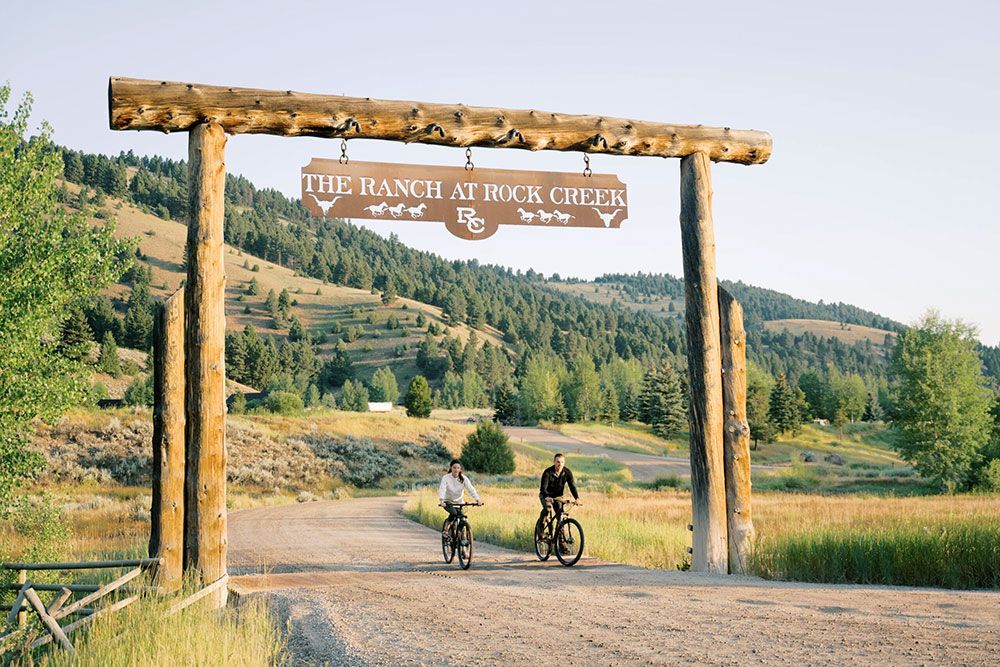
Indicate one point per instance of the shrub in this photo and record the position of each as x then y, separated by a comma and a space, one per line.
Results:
139, 392
487, 450
283, 403
361, 463
435, 451
238, 403
990, 477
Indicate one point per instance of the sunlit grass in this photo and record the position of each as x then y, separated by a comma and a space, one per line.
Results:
951, 541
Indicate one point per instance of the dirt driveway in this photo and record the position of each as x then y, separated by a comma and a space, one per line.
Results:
362, 585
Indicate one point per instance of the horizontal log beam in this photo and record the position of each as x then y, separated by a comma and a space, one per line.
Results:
94, 564
139, 104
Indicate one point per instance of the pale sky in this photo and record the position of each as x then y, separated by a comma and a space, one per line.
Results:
881, 191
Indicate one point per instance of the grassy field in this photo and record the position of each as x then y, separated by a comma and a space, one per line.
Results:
951, 541
848, 333
625, 436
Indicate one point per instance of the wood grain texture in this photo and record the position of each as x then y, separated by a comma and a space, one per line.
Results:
48, 621
139, 104
204, 349
166, 538
736, 439
705, 415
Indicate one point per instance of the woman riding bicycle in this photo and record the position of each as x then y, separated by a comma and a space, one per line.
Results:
452, 491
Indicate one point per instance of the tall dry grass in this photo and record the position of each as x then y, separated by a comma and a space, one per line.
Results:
949, 541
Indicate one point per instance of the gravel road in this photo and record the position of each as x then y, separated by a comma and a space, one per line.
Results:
359, 584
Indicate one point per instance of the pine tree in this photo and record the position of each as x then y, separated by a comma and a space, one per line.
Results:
296, 331
253, 289
609, 406
108, 361
75, 336
389, 294
667, 411
418, 398
505, 404
284, 303
873, 411
784, 408
138, 326
338, 369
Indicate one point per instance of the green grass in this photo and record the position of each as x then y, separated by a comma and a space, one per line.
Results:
533, 459
959, 553
625, 436
141, 634
860, 443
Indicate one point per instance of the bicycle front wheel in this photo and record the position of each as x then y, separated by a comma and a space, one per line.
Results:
543, 545
569, 542
447, 545
464, 545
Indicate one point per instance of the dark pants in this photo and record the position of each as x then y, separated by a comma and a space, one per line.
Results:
453, 512
557, 505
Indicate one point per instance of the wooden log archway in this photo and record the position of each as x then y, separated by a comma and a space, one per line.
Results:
208, 113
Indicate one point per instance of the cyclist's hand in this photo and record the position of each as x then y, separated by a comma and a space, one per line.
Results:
480, 503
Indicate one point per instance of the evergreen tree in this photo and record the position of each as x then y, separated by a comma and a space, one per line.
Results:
72, 166
873, 411
505, 404
418, 398
383, 387
108, 361
487, 450
312, 398
271, 303
759, 386
296, 331
284, 303
354, 397
137, 328
75, 336
338, 369
253, 288
784, 410
389, 294
666, 409
609, 406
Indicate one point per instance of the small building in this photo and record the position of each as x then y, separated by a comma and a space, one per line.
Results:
818, 422
380, 407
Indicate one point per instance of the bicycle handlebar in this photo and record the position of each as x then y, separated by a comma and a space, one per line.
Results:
564, 502
460, 504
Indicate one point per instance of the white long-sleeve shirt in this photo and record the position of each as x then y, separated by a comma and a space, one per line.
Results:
453, 490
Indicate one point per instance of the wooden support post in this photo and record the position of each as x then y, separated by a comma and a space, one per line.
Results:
736, 450
705, 415
166, 537
204, 349
50, 623
22, 579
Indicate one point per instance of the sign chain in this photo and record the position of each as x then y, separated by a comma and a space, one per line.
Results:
343, 152
468, 160
586, 166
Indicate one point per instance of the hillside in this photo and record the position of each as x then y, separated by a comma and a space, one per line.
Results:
319, 305
848, 333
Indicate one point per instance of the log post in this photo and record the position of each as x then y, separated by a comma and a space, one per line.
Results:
736, 450
205, 542
705, 415
166, 536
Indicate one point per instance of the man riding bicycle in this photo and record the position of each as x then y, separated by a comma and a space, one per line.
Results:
555, 479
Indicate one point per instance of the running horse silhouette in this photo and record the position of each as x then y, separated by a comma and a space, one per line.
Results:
417, 211
562, 217
544, 217
397, 210
377, 211
607, 218
526, 216
324, 205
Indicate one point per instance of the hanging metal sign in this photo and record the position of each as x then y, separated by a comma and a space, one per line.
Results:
472, 203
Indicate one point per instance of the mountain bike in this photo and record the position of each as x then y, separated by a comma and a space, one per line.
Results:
458, 539
564, 535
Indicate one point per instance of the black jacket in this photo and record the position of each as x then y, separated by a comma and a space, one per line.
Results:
554, 486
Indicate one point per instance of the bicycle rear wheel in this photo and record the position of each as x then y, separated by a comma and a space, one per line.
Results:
447, 544
569, 542
464, 545
543, 545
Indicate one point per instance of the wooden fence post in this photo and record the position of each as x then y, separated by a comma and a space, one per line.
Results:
205, 542
736, 450
166, 536
709, 546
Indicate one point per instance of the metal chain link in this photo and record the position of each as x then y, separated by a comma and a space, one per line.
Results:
468, 160
343, 152
586, 166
